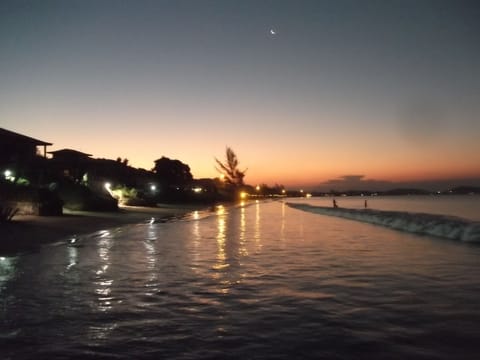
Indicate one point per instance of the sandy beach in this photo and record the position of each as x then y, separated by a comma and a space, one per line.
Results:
27, 232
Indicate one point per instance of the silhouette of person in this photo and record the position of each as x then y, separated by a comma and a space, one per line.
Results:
366, 204
335, 203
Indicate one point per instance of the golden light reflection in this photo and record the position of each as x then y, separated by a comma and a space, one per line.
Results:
232, 237
196, 239
221, 238
196, 215
220, 210
242, 250
257, 234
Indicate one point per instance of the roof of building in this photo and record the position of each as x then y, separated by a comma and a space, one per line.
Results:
8, 136
69, 152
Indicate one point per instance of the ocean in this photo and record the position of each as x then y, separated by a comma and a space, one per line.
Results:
261, 280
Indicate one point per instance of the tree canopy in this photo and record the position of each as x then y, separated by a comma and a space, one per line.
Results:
172, 172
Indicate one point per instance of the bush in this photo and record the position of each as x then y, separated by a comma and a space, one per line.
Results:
7, 213
125, 195
80, 197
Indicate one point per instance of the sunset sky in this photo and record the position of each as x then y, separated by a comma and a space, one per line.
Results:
307, 93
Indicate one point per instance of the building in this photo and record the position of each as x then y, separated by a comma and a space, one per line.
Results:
70, 163
16, 147
22, 156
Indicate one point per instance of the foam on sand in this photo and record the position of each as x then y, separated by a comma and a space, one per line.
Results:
419, 223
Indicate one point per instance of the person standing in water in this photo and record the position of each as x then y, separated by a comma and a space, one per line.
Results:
335, 203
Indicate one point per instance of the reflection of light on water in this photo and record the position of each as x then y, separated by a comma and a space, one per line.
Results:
104, 233
105, 302
7, 270
103, 288
196, 215
220, 210
226, 285
282, 225
257, 235
151, 232
72, 257
221, 237
196, 240
151, 251
104, 245
242, 250
102, 270
101, 332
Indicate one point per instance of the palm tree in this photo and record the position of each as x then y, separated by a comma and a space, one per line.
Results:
229, 168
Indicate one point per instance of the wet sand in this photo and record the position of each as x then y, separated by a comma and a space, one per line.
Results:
27, 232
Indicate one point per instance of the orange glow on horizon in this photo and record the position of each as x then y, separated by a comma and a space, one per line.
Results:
307, 160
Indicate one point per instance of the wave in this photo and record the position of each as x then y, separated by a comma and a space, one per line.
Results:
419, 223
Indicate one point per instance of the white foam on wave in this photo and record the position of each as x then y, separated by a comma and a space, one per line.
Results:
426, 224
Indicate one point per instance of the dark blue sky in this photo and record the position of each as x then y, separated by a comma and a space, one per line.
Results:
386, 89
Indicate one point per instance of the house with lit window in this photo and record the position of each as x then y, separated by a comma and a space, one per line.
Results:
70, 163
22, 155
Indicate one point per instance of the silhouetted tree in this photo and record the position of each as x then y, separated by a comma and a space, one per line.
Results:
120, 161
229, 169
172, 172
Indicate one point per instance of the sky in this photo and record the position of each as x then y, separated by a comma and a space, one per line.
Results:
308, 94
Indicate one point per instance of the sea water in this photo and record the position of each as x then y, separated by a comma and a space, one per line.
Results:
262, 280
451, 217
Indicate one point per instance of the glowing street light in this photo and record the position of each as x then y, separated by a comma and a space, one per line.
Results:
8, 175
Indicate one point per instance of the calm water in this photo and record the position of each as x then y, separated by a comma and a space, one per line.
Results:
253, 282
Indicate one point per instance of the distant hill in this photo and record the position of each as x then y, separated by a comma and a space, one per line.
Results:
459, 190
401, 191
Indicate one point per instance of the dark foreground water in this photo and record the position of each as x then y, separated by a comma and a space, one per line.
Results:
263, 281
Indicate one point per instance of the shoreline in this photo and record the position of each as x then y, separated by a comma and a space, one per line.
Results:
28, 232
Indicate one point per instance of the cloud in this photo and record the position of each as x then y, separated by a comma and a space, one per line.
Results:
359, 183
354, 182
